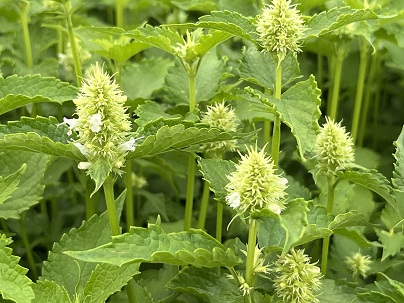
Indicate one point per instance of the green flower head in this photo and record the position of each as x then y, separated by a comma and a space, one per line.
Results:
102, 125
254, 185
296, 278
358, 264
222, 117
334, 147
280, 28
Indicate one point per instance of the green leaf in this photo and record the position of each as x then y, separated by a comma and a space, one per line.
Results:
207, 284
142, 79
99, 172
398, 173
311, 233
67, 272
215, 172
19, 91
393, 289
14, 284
195, 5
49, 291
270, 233
153, 245
142, 294
9, 184
392, 242
31, 185
40, 135
336, 292
298, 109
210, 40
335, 18
349, 219
260, 68
153, 111
230, 22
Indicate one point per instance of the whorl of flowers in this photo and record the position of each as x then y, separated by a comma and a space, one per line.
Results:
222, 117
296, 278
280, 28
102, 125
186, 50
67, 61
254, 185
358, 264
334, 147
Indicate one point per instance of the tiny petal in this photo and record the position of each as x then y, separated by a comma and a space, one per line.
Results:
95, 123
82, 149
84, 165
129, 145
275, 208
233, 200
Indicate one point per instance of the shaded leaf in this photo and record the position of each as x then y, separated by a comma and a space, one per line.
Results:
9, 184
398, 173
392, 242
349, 219
50, 291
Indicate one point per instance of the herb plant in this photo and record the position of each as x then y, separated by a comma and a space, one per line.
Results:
201, 151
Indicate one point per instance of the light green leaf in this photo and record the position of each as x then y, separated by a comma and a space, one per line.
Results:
14, 284
336, 292
392, 242
67, 272
153, 245
398, 173
99, 172
153, 111
40, 135
398, 287
195, 5
270, 233
230, 22
107, 279
19, 91
260, 68
207, 80
142, 294
215, 172
352, 218
207, 284
299, 108
311, 233
9, 184
335, 18
208, 41
142, 79
49, 291
176, 137
31, 185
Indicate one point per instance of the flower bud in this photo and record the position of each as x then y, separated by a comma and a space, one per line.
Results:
358, 264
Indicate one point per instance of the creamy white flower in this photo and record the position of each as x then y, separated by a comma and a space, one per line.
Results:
233, 200
129, 145
95, 123
82, 149
275, 208
84, 165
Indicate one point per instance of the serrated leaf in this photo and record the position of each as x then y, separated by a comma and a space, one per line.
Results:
260, 68
207, 284
398, 173
349, 219
210, 40
397, 285
142, 294
270, 233
106, 280
153, 111
299, 108
311, 233
49, 291
176, 137
336, 292
40, 135
99, 172
68, 273
230, 22
19, 91
31, 185
14, 284
215, 172
335, 18
153, 245
392, 242
9, 184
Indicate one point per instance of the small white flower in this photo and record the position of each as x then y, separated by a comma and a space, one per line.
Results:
129, 145
95, 123
233, 200
71, 123
82, 149
84, 165
275, 208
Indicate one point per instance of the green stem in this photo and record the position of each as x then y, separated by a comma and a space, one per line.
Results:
73, 43
320, 70
111, 206
204, 205
90, 201
44, 207
276, 134
219, 222
190, 193
267, 134
24, 8
192, 92
119, 9
252, 240
129, 204
326, 240
359, 89
28, 250
333, 108
131, 291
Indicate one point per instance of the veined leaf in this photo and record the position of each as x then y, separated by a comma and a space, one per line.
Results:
299, 108
397, 286
19, 91
230, 22
153, 245
30, 187
14, 284
9, 184
152, 111
142, 294
398, 173
210, 40
50, 291
392, 242
40, 135
352, 218
335, 18
334, 291
206, 284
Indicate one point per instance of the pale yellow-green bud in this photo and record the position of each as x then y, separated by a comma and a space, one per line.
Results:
296, 278
358, 264
67, 61
186, 51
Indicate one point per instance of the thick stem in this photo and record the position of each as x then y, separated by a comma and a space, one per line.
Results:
111, 207
276, 134
252, 241
333, 108
119, 9
190, 193
25, 30
73, 43
359, 89
129, 204
219, 222
28, 250
326, 240
204, 205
